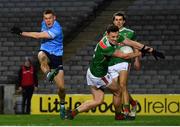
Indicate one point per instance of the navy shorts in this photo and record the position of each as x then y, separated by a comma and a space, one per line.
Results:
55, 61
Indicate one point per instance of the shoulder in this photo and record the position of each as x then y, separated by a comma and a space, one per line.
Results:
56, 24
56, 28
104, 43
129, 33
43, 23
128, 30
105, 47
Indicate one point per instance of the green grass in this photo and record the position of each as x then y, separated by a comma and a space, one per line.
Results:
85, 120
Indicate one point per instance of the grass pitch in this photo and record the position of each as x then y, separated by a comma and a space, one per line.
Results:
86, 120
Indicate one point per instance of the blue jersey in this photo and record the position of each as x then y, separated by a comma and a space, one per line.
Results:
53, 45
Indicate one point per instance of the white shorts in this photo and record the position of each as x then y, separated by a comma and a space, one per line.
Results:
98, 81
117, 68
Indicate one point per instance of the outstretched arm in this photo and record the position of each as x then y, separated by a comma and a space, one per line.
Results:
137, 62
136, 44
36, 35
144, 49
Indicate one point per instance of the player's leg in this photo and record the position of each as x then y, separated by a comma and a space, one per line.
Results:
98, 97
54, 72
96, 85
137, 66
134, 104
58, 77
115, 90
43, 60
123, 77
59, 81
115, 72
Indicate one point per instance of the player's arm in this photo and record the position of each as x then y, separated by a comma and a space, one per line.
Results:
144, 49
120, 54
36, 35
137, 62
136, 44
110, 51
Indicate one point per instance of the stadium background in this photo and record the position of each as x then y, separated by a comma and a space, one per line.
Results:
155, 22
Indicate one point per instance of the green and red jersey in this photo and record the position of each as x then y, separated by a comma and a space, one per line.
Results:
126, 33
103, 53
123, 33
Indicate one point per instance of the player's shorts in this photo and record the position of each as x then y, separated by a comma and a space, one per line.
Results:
98, 81
55, 61
117, 68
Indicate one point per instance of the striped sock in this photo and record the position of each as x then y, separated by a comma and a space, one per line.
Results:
126, 109
133, 103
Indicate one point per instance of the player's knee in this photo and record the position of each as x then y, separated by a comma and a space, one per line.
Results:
117, 93
43, 59
41, 54
122, 85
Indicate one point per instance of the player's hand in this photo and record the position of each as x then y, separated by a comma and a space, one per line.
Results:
16, 30
144, 51
157, 54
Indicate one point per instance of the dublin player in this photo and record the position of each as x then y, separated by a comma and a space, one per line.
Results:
51, 52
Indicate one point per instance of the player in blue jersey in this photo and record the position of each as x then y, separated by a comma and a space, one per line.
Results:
51, 52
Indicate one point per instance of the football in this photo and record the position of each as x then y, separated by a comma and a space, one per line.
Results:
126, 49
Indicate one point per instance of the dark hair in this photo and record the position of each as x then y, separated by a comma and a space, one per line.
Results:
48, 12
112, 28
119, 13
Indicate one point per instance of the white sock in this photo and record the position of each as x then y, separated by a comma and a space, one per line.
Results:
62, 106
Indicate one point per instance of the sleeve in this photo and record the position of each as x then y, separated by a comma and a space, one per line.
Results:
104, 34
133, 36
109, 51
120, 39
